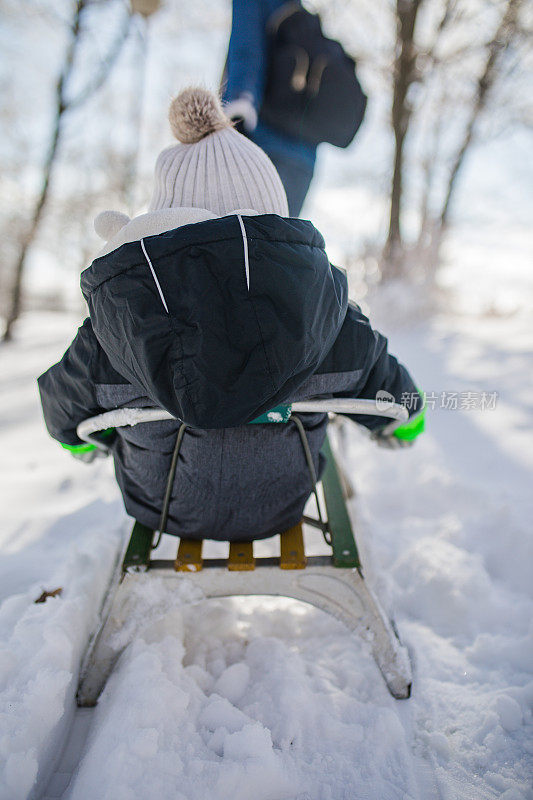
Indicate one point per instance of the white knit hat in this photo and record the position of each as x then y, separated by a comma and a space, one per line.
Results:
214, 167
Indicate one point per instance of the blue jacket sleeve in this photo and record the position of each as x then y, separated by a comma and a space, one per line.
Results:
246, 64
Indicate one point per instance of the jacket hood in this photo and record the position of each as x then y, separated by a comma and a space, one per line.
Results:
220, 320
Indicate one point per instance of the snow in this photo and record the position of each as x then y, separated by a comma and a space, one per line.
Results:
269, 698
241, 716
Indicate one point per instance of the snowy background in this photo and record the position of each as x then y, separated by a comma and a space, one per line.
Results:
262, 698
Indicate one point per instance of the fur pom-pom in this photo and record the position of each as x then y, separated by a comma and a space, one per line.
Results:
196, 113
108, 223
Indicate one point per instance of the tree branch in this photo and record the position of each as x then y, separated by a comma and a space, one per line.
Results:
499, 43
61, 106
105, 68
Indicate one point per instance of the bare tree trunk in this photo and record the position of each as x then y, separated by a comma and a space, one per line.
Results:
404, 75
29, 236
61, 107
501, 40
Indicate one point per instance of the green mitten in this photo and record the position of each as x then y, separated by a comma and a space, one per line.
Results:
84, 452
404, 435
413, 427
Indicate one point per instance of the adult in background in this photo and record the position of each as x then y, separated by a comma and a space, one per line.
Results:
288, 88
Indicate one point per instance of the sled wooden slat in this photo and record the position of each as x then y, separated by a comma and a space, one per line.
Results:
345, 553
292, 555
241, 557
189, 558
137, 557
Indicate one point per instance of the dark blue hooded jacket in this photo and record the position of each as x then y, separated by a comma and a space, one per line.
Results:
218, 322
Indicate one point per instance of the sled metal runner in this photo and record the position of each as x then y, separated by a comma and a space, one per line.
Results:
333, 583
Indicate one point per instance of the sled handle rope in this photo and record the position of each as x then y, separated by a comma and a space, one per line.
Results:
124, 417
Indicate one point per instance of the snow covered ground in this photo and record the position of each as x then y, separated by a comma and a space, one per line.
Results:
270, 699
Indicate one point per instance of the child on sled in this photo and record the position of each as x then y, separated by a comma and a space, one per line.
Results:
217, 307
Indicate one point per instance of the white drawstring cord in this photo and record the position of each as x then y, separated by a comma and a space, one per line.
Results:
245, 241
159, 289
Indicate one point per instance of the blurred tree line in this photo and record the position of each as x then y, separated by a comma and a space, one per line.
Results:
76, 106
456, 72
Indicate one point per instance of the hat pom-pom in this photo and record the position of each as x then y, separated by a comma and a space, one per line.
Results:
196, 113
108, 223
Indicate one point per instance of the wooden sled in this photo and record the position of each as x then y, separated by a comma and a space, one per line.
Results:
333, 583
